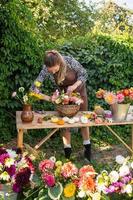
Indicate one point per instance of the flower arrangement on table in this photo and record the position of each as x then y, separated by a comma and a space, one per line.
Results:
121, 96
67, 182
23, 96
15, 169
65, 99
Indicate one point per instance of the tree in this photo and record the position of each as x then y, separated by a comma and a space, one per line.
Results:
61, 18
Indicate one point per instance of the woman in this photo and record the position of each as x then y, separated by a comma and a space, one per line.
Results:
68, 75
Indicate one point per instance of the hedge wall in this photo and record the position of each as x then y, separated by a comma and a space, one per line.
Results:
108, 60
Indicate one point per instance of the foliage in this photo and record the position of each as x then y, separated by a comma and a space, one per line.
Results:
113, 19
61, 18
21, 51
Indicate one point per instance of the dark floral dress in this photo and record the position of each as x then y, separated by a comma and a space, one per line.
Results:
74, 72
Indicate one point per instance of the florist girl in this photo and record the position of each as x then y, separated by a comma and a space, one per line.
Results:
68, 75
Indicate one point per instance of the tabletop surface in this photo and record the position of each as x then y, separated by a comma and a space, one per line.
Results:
48, 124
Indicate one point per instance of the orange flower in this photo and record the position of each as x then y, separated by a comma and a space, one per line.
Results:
87, 169
87, 183
100, 93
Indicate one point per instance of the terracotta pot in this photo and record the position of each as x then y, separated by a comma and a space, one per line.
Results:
27, 114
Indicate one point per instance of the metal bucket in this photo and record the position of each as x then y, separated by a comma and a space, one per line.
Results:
119, 111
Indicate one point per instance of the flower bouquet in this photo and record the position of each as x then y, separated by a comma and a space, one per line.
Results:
119, 181
16, 171
67, 105
26, 100
119, 101
65, 181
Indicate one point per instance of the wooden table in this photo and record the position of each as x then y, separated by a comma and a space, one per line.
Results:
22, 127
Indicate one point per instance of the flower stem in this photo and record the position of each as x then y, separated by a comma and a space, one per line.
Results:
34, 192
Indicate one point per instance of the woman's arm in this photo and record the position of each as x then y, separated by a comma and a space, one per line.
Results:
35, 88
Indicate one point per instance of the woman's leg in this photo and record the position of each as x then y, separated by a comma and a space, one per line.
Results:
86, 142
85, 131
66, 136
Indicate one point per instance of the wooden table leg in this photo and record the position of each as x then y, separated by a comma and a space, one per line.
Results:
46, 138
20, 138
115, 134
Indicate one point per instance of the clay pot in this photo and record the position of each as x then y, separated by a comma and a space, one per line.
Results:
27, 114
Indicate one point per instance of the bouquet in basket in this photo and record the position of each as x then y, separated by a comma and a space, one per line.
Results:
65, 99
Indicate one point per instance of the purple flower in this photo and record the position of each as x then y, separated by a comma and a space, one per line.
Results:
126, 179
3, 157
110, 189
2, 151
22, 177
11, 170
118, 184
16, 188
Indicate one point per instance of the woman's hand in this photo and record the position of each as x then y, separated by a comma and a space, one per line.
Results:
70, 89
73, 87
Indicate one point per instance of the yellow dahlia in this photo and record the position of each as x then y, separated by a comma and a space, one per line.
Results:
69, 190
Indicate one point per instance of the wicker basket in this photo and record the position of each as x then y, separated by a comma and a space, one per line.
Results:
67, 110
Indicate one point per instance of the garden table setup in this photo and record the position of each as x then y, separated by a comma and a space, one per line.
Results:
47, 124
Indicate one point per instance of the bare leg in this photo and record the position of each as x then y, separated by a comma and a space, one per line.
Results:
66, 136
67, 142
85, 133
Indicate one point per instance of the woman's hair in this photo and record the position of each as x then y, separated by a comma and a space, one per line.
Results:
53, 58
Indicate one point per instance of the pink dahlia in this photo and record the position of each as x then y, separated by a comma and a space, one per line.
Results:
46, 164
120, 98
68, 170
48, 179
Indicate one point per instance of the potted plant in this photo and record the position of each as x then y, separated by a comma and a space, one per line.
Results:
26, 100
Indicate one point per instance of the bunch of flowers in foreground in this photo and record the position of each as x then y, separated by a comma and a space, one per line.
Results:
121, 96
119, 180
65, 99
67, 182
15, 169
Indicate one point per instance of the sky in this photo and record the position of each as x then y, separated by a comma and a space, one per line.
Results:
125, 3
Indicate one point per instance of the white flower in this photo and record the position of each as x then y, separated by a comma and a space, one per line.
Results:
114, 176
120, 159
52, 158
81, 194
84, 119
14, 94
128, 189
9, 162
12, 154
124, 170
96, 196
21, 89
4, 176
1, 167
25, 98
132, 165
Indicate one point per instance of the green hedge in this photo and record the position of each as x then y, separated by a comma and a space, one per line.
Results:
108, 60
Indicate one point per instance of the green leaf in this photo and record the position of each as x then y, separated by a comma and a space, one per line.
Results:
56, 191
